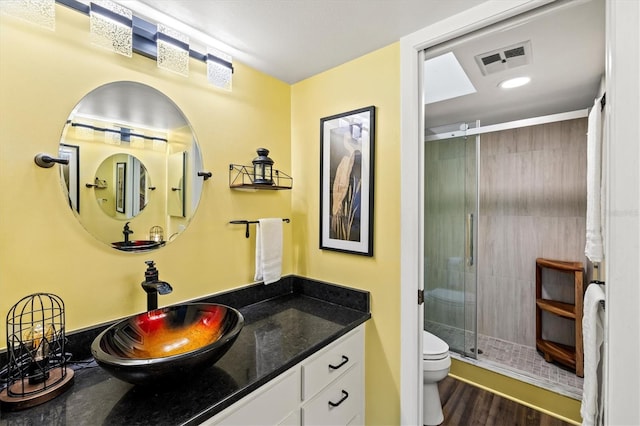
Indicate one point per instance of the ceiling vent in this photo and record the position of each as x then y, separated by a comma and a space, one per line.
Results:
505, 58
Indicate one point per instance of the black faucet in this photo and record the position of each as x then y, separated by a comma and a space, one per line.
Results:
126, 231
152, 285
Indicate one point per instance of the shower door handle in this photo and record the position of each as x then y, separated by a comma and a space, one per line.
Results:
469, 239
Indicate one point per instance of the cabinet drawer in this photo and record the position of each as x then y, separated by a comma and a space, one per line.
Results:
269, 405
332, 363
338, 403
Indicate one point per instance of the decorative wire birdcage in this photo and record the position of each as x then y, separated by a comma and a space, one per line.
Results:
36, 369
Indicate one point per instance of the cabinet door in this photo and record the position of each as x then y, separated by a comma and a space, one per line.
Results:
292, 419
270, 405
331, 363
338, 403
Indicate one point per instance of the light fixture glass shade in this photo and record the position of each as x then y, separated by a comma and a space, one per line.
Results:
38, 12
173, 50
83, 132
137, 142
219, 69
111, 27
112, 138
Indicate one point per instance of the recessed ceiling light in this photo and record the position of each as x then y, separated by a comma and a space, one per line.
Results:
514, 82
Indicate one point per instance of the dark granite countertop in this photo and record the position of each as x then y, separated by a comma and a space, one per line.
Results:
284, 324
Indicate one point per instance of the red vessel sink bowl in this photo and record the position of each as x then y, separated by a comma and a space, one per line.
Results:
167, 343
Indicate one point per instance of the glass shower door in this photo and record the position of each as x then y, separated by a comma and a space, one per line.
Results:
451, 211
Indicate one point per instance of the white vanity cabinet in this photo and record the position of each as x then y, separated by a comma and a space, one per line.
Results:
325, 389
333, 382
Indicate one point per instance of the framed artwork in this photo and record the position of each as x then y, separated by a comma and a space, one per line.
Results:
121, 185
346, 181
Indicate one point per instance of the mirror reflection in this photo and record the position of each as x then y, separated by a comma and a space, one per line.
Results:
133, 166
122, 186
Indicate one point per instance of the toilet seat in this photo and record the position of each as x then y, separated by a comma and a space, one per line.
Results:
433, 348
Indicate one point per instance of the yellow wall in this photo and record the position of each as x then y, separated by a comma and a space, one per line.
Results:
43, 247
373, 79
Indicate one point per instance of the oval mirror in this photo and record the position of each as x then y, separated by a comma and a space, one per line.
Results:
132, 179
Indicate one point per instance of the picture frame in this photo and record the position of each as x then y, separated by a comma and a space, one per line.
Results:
121, 185
347, 147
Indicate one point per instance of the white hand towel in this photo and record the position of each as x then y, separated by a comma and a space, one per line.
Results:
593, 337
269, 250
593, 248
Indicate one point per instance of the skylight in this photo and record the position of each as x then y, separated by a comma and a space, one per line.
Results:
445, 79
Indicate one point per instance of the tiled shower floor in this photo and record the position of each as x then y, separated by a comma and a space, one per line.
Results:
514, 360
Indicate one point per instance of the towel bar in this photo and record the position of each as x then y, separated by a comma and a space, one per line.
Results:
247, 222
602, 304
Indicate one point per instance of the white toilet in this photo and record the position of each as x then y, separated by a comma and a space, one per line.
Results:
435, 367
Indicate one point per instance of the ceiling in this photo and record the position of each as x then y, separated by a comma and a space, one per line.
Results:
566, 66
296, 39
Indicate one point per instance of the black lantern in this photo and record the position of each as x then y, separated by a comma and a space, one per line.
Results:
262, 168
36, 367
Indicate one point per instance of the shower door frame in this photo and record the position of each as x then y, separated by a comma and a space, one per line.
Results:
469, 246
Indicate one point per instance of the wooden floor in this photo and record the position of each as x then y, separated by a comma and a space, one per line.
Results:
467, 405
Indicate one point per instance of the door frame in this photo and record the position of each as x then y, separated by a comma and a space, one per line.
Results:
412, 173
622, 206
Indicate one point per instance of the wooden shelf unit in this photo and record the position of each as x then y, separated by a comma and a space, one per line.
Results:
571, 356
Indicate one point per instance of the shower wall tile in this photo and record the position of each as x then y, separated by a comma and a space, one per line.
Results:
549, 171
491, 244
527, 318
499, 143
524, 139
558, 329
491, 182
523, 176
558, 285
488, 314
532, 204
563, 238
502, 311
508, 246
522, 242
576, 132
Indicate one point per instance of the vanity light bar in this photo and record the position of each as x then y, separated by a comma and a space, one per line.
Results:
111, 27
121, 19
145, 35
124, 132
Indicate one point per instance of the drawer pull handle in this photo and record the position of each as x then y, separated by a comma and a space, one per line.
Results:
345, 395
344, 361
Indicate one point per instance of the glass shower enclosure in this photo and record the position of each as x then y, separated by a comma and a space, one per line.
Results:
450, 235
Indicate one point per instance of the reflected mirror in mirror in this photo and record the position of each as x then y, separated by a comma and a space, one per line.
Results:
122, 186
133, 166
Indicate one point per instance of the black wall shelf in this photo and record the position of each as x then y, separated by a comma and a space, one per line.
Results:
241, 177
